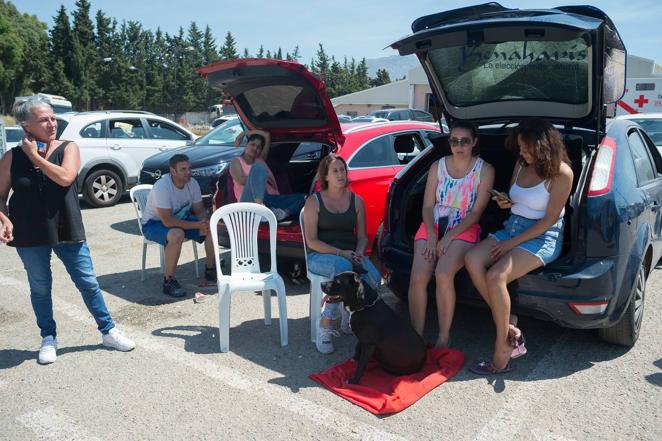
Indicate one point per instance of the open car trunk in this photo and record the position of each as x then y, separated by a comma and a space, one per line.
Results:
406, 200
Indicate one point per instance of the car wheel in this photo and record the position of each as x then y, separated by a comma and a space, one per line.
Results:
626, 331
102, 188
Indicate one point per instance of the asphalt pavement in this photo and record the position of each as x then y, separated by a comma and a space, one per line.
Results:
177, 385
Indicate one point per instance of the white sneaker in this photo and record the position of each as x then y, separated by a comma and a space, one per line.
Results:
280, 214
344, 321
324, 342
48, 350
115, 339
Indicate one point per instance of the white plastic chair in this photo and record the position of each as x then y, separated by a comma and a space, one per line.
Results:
139, 195
242, 221
316, 281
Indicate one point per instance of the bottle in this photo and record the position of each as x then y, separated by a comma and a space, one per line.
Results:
41, 146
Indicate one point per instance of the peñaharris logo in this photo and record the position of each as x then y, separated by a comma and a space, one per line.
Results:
473, 56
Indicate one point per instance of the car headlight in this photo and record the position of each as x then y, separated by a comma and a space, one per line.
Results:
212, 170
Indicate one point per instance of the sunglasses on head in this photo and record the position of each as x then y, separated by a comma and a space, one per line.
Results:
454, 142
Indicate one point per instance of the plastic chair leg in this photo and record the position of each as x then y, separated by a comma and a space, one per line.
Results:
282, 311
224, 316
162, 258
195, 260
266, 301
315, 309
142, 269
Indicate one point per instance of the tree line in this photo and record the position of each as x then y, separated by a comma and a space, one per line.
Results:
106, 64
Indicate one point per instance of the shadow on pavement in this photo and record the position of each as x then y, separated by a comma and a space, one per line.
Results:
10, 358
656, 378
128, 227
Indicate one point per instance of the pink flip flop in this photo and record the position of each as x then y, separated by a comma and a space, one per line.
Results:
486, 368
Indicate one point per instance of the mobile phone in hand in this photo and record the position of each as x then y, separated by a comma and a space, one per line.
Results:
500, 195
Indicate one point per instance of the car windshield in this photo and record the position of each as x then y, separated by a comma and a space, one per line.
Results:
379, 114
14, 135
653, 128
225, 133
555, 71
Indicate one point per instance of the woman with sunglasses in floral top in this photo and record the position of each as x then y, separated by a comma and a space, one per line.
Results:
456, 194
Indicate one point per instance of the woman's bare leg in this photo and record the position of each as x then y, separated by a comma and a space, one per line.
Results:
421, 272
447, 266
510, 267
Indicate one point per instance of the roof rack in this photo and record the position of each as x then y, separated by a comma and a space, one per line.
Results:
142, 112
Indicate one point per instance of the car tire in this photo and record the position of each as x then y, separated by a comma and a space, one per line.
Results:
626, 331
102, 188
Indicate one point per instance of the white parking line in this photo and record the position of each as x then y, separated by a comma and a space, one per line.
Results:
506, 424
272, 394
49, 424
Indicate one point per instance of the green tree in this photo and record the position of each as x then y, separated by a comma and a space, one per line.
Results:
83, 55
260, 52
361, 77
382, 77
10, 54
210, 53
229, 49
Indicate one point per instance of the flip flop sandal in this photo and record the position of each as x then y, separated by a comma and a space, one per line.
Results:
519, 350
486, 368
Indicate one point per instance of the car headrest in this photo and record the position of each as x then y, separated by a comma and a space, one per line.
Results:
404, 144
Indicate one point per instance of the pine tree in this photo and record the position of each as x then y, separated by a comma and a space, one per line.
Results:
61, 42
210, 53
279, 54
322, 64
382, 77
83, 55
246, 54
229, 49
362, 81
260, 52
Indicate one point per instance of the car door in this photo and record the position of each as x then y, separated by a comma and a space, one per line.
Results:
370, 170
649, 179
166, 136
93, 142
652, 184
129, 143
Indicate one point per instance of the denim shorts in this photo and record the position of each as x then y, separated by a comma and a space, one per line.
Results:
155, 231
546, 247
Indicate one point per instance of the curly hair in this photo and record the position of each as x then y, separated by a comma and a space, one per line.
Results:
323, 169
544, 143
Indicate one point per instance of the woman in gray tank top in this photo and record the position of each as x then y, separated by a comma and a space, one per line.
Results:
334, 221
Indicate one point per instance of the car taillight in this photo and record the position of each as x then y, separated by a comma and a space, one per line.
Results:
603, 170
587, 308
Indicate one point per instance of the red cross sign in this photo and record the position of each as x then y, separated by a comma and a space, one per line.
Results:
641, 101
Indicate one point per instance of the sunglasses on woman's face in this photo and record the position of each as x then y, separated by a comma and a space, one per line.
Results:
454, 142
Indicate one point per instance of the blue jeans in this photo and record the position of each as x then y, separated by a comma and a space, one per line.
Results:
328, 265
546, 247
256, 188
77, 261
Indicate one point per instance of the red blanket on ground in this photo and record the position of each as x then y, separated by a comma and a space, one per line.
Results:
382, 393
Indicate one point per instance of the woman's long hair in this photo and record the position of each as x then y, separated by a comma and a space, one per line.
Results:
544, 143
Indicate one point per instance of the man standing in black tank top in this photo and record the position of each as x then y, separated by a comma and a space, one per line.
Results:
44, 217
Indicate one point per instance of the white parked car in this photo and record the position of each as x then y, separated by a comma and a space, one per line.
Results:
13, 136
113, 145
651, 123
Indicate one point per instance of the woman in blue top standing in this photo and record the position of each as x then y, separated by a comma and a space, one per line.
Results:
532, 236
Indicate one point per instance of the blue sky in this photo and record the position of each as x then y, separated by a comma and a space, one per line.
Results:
357, 28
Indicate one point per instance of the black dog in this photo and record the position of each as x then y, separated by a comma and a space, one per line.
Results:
380, 331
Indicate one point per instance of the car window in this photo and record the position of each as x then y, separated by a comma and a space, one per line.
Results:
514, 70
163, 130
404, 115
641, 158
14, 135
422, 116
307, 151
225, 133
394, 116
94, 130
61, 125
282, 101
653, 128
129, 128
376, 153
407, 146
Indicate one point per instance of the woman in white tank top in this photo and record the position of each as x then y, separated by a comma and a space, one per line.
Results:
532, 236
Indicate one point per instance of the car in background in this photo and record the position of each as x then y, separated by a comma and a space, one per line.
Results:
344, 118
402, 115
209, 155
221, 119
13, 136
613, 217
368, 119
650, 122
304, 128
113, 145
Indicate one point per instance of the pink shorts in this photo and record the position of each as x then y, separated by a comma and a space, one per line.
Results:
471, 234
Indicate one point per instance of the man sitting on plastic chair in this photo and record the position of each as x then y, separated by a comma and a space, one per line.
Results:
174, 212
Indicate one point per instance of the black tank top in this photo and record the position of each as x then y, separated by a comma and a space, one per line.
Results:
337, 229
43, 212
